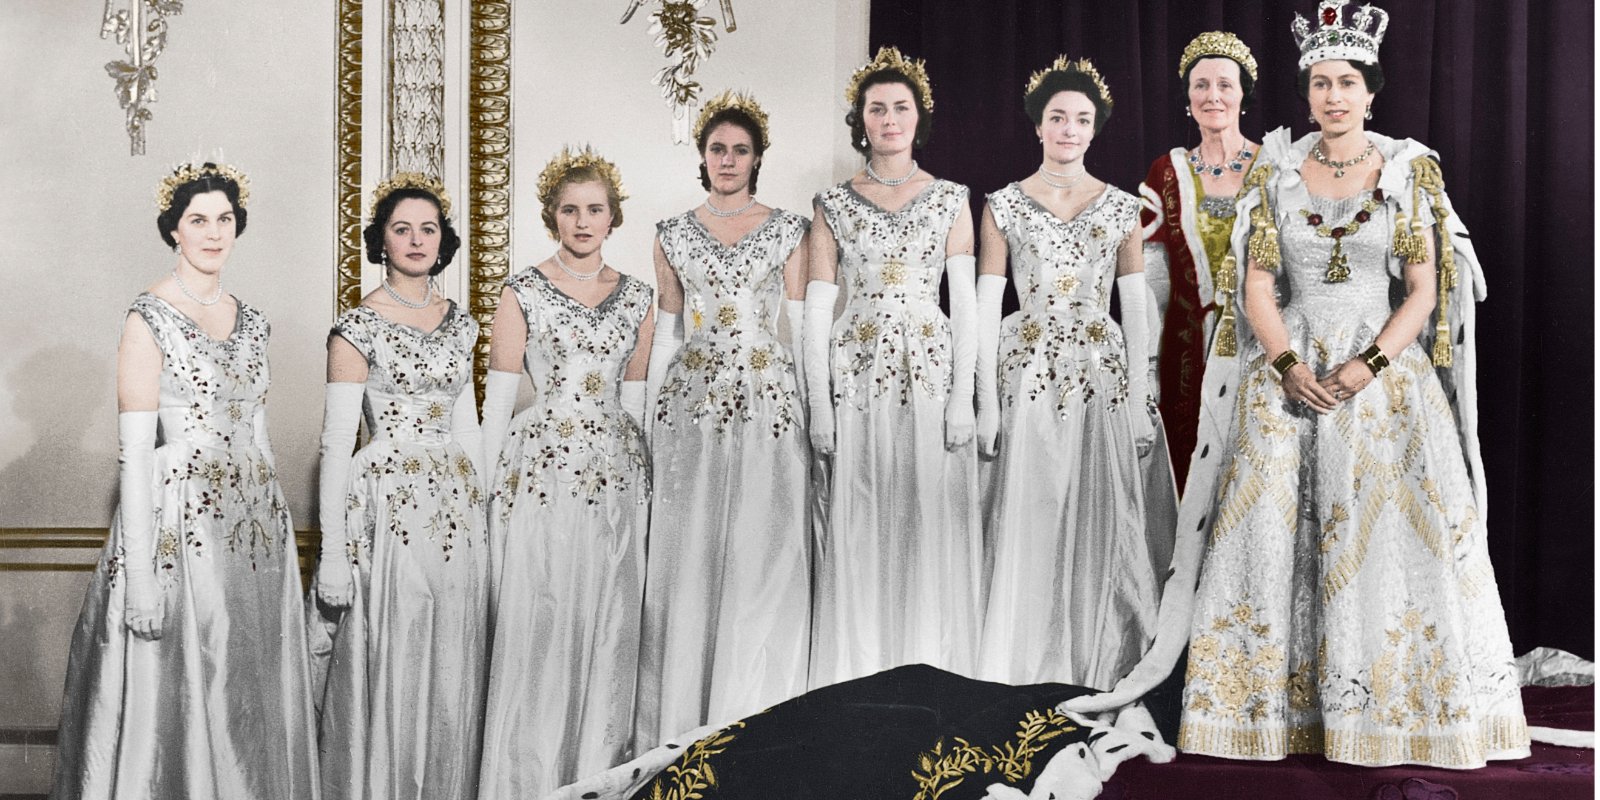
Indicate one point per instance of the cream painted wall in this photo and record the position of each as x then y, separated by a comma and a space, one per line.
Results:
579, 76
253, 79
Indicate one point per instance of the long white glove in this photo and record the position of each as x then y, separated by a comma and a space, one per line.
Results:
958, 416
1136, 332
664, 344
633, 393
991, 288
466, 431
797, 315
820, 296
499, 400
263, 442
136, 439
341, 418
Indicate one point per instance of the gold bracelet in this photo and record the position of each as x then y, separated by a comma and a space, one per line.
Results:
1284, 362
1374, 359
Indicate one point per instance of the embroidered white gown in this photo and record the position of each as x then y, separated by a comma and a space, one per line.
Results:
402, 714
900, 560
728, 587
220, 705
567, 516
1074, 589
1347, 604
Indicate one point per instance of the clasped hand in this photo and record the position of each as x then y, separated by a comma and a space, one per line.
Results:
1322, 395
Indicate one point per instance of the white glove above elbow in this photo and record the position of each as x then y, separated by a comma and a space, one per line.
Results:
144, 606
1136, 333
820, 297
958, 412
341, 418
991, 288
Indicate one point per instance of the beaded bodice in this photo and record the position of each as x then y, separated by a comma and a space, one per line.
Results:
892, 258
576, 355
413, 376
210, 388
1365, 295
1064, 265
731, 292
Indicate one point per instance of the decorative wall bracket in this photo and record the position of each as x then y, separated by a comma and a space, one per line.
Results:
141, 28
687, 37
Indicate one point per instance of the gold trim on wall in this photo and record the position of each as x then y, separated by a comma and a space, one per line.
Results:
347, 160
307, 544
489, 169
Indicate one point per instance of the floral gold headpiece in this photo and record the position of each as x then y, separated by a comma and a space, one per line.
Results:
730, 99
1217, 43
193, 172
1063, 64
410, 180
890, 58
569, 160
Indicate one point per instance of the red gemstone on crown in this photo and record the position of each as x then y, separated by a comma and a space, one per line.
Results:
1329, 16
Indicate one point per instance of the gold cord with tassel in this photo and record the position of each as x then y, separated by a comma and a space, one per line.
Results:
1425, 176
1263, 248
1227, 327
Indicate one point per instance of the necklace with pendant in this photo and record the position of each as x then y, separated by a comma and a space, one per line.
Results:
1338, 262
1216, 170
1339, 166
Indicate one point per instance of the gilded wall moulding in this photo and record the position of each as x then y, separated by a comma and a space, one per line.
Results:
416, 86
488, 169
347, 159
687, 37
141, 28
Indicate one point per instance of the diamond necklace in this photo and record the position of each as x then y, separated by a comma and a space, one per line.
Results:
1339, 166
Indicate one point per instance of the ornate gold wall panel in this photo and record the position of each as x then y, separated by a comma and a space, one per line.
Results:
347, 159
489, 168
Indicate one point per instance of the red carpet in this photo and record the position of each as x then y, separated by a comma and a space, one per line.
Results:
1553, 773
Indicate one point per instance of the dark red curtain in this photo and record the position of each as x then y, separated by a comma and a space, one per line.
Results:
1503, 89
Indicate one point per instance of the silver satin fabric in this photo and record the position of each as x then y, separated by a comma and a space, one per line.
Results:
567, 514
401, 716
1074, 588
728, 581
220, 705
1347, 605
899, 560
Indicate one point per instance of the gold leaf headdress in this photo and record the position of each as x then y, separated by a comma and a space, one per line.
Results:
1064, 64
568, 160
742, 101
1217, 43
890, 58
410, 180
193, 172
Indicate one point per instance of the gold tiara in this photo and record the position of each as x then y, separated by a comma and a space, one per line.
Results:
744, 103
889, 58
410, 180
569, 160
1216, 43
193, 172
1064, 64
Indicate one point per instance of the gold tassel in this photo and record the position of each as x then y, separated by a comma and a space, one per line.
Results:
1227, 343
1426, 176
1263, 247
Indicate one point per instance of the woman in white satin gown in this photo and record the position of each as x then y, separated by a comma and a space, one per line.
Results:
728, 584
570, 497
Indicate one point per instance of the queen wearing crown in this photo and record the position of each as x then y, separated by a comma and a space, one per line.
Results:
890, 385
728, 589
188, 675
569, 498
1189, 199
1079, 502
1346, 603
404, 574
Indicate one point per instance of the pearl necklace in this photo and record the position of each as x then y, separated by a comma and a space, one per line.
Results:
891, 181
190, 295
427, 295
582, 276
1339, 166
1073, 178
715, 212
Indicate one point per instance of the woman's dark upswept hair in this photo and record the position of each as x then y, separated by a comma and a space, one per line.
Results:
167, 221
858, 127
1372, 74
449, 241
1065, 81
732, 116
